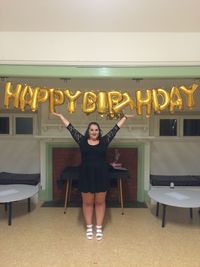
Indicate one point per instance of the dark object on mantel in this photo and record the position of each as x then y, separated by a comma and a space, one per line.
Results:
182, 180
19, 178
72, 173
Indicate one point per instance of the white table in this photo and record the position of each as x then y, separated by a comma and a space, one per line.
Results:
16, 192
179, 196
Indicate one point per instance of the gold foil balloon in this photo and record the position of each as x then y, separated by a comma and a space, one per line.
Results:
144, 102
9, 94
165, 99
25, 97
114, 98
34, 102
155, 101
102, 102
71, 100
39, 96
89, 102
43, 95
126, 101
189, 94
109, 103
56, 97
175, 99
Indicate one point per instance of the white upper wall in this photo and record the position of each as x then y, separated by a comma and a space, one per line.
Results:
100, 16
100, 32
121, 49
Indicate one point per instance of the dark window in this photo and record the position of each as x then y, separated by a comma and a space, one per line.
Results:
191, 127
24, 125
168, 127
4, 125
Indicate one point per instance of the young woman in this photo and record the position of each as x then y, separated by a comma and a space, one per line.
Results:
94, 180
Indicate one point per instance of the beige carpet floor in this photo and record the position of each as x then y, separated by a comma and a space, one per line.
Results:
48, 238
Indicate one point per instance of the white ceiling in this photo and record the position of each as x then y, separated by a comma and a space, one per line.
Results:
100, 15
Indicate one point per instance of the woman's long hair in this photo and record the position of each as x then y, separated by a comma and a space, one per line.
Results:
87, 131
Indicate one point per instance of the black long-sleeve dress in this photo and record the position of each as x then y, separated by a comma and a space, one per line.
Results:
93, 176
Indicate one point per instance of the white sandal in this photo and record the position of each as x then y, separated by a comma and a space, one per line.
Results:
89, 231
99, 233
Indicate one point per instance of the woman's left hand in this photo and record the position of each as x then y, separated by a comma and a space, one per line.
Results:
124, 118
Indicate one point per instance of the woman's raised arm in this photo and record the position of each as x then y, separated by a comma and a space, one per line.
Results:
123, 119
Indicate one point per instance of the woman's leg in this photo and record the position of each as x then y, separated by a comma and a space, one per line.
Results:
88, 207
100, 207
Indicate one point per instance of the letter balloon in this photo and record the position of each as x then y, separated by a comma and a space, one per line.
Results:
175, 99
165, 99
126, 101
10, 94
89, 102
102, 102
114, 98
56, 97
72, 98
39, 96
144, 102
189, 94
26, 97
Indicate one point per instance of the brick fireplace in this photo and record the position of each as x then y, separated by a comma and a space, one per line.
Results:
63, 157
138, 162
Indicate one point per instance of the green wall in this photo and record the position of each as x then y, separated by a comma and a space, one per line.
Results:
99, 72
